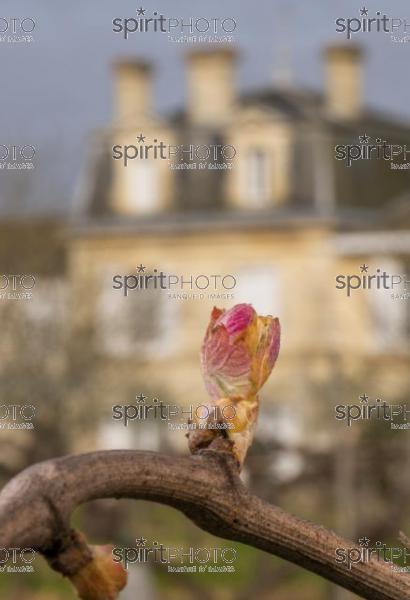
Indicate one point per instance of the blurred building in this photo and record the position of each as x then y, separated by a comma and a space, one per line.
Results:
284, 216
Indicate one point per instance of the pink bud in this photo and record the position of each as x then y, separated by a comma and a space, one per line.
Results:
237, 356
239, 351
101, 578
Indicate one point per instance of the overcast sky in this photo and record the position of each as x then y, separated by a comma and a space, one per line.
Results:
57, 89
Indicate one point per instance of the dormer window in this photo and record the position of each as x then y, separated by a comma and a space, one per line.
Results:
257, 178
142, 187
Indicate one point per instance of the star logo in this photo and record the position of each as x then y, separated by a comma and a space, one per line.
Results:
141, 268
141, 138
363, 398
364, 12
364, 542
140, 542
364, 139
141, 12
364, 268
141, 398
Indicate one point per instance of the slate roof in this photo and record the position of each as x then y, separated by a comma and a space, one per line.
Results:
366, 186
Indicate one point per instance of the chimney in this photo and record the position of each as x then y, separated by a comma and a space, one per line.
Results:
344, 75
132, 94
211, 90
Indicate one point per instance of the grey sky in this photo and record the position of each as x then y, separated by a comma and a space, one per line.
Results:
58, 89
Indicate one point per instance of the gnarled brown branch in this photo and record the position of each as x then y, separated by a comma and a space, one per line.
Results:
36, 506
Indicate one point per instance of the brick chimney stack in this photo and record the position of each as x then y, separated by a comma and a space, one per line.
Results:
132, 90
344, 81
211, 88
